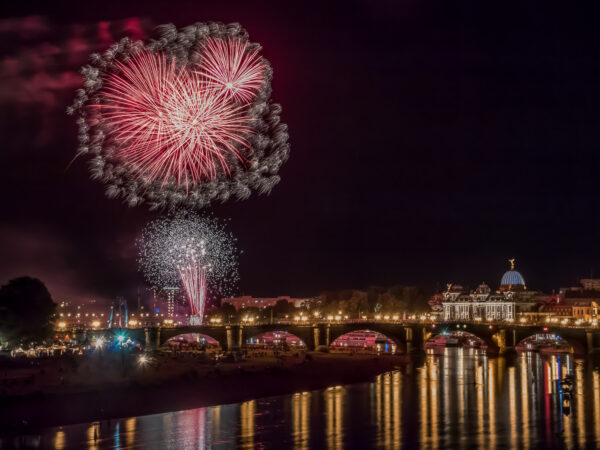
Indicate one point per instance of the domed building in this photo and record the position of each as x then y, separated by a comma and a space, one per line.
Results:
483, 304
512, 281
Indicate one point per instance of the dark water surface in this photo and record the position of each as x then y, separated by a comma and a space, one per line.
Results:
460, 398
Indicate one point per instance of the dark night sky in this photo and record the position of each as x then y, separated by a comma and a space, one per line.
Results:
431, 142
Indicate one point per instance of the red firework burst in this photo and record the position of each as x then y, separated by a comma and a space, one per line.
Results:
168, 123
232, 68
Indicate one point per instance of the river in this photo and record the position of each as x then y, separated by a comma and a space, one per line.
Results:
460, 398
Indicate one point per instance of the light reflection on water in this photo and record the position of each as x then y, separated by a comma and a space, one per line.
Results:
459, 398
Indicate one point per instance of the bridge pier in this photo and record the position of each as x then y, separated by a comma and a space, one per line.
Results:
316, 336
158, 337
147, 338
408, 334
229, 340
426, 334
510, 340
591, 341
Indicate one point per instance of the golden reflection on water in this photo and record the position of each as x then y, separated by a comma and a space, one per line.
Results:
524, 400
479, 379
396, 410
215, 413
512, 406
247, 413
460, 383
59, 440
93, 435
596, 397
423, 406
579, 402
130, 431
491, 383
334, 417
464, 399
387, 397
301, 420
446, 389
433, 370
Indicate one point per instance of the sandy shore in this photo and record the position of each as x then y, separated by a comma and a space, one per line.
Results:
231, 383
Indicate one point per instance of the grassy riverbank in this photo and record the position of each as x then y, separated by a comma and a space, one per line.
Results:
188, 386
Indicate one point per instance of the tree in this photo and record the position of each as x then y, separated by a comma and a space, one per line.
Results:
373, 294
26, 310
283, 307
228, 312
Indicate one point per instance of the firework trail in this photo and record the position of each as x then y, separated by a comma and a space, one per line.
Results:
184, 120
191, 251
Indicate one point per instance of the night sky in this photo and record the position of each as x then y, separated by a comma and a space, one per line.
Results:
431, 141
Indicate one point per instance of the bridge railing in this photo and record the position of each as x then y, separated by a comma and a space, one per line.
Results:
321, 321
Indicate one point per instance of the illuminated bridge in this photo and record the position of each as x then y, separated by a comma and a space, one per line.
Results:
409, 336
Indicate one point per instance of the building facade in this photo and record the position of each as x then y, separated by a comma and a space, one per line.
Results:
261, 302
483, 304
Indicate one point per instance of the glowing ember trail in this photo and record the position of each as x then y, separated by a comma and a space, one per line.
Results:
191, 251
182, 121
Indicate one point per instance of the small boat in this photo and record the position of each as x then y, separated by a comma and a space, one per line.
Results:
435, 343
555, 349
452, 342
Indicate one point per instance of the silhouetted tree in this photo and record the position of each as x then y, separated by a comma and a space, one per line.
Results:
26, 310
373, 294
283, 307
228, 312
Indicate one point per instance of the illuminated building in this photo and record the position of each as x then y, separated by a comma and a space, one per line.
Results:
512, 281
483, 304
576, 308
83, 314
171, 300
590, 284
261, 302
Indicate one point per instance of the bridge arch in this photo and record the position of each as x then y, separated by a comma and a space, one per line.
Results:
546, 342
455, 338
366, 340
401, 335
192, 342
305, 333
220, 334
275, 339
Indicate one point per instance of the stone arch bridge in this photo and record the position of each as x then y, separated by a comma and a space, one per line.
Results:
409, 336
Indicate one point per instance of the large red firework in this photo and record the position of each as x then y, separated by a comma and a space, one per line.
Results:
169, 122
182, 121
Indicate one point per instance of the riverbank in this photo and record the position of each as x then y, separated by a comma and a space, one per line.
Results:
229, 383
